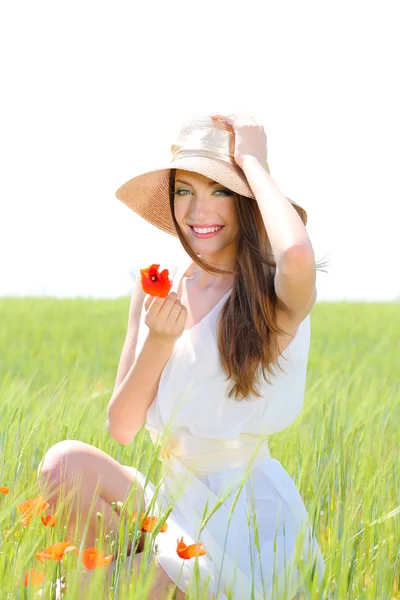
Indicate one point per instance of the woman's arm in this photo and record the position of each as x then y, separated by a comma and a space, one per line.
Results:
129, 348
128, 406
295, 275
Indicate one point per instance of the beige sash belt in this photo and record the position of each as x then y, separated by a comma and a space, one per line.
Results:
208, 455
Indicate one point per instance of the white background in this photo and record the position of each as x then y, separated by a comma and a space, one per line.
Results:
94, 93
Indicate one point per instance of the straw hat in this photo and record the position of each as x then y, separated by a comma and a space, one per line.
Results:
205, 146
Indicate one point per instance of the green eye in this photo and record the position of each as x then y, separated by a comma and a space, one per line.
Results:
227, 192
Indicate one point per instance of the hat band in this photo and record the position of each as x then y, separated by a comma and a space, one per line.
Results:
205, 152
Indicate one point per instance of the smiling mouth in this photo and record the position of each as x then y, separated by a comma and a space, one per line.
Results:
206, 235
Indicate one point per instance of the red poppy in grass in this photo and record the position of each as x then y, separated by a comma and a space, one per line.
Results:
56, 552
93, 558
49, 520
4, 490
33, 577
149, 523
33, 506
155, 283
190, 551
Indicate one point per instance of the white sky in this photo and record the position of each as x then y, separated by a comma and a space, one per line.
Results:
94, 93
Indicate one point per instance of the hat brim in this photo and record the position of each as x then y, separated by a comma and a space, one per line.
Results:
147, 194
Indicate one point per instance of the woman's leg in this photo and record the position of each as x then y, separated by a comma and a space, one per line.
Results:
89, 477
94, 479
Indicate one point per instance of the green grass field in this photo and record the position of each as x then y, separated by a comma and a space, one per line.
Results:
58, 365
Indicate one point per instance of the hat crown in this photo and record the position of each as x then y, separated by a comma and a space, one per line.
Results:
204, 135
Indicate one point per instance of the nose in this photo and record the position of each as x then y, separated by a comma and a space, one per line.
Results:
199, 206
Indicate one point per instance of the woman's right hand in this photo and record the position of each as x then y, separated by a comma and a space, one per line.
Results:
165, 317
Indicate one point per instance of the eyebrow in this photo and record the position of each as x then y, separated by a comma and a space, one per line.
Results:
187, 183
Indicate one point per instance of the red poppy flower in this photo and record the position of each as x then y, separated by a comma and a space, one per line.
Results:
49, 520
149, 523
155, 283
190, 551
33, 577
55, 552
4, 490
33, 506
93, 558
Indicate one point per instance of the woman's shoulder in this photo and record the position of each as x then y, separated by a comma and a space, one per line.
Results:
178, 268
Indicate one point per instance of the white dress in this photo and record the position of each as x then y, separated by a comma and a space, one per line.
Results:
192, 402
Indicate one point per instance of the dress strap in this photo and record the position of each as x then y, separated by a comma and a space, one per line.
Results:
178, 270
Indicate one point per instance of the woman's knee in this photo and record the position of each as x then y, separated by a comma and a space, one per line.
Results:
80, 467
63, 459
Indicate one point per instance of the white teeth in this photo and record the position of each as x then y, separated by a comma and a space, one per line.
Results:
206, 230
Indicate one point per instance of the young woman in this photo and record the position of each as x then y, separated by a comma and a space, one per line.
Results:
211, 370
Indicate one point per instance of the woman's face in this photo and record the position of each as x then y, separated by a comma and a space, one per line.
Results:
201, 202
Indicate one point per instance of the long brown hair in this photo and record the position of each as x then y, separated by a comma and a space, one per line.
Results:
248, 332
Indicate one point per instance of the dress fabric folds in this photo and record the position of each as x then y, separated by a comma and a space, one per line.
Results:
219, 481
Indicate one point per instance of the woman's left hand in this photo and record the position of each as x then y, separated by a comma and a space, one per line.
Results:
250, 137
